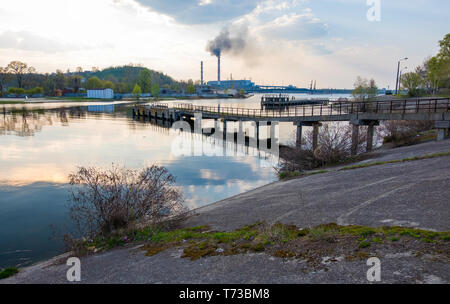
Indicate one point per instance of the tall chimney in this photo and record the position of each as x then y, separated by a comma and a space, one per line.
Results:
218, 68
201, 72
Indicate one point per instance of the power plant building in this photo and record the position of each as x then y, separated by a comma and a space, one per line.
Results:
232, 84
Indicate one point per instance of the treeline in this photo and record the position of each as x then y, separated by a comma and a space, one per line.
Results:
433, 76
19, 78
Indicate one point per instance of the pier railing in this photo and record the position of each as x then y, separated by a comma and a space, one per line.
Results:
406, 106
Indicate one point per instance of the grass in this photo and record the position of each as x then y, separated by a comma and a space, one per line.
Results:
428, 156
4, 102
277, 240
8, 272
296, 174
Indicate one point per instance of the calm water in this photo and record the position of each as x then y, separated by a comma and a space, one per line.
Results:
40, 148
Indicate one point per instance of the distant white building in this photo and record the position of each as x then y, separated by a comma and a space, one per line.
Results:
100, 93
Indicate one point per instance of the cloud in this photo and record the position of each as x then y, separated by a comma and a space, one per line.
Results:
295, 27
28, 41
201, 11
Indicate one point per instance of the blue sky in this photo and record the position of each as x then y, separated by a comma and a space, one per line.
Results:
287, 41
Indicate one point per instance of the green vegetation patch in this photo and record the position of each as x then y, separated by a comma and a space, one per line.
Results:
8, 272
283, 241
428, 156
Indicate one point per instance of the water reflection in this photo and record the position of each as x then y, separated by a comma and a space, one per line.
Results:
40, 147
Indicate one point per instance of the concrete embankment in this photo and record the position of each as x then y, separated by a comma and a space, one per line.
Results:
411, 194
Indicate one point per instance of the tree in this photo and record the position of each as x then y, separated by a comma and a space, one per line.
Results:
4, 77
190, 89
445, 47
439, 66
94, 83
145, 80
364, 89
76, 83
155, 90
413, 82
120, 87
137, 92
372, 89
108, 84
20, 69
60, 80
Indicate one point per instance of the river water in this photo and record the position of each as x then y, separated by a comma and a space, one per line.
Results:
40, 144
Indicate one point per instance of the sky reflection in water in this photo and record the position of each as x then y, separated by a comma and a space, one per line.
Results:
38, 151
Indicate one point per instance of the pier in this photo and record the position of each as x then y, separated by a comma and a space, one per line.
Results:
356, 113
283, 100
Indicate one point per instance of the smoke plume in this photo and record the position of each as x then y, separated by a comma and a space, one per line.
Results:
224, 43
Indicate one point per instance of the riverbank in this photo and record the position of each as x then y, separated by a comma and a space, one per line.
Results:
408, 194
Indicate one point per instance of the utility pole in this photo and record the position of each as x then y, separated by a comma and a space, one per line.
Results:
398, 73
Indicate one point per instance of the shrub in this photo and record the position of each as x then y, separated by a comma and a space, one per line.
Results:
404, 133
8, 272
334, 146
34, 91
16, 91
105, 200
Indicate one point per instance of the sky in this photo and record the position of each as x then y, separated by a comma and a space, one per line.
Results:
284, 41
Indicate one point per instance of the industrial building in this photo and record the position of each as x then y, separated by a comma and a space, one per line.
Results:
100, 93
232, 84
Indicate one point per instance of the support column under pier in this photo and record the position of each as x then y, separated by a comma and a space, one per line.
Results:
442, 128
316, 126
370, 133
298, 141
355, 139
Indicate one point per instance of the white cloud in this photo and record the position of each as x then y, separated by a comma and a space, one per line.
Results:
201, 11
295, 27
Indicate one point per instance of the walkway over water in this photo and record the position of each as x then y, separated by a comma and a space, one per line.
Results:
357, 113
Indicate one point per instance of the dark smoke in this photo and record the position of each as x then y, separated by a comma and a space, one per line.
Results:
224, 43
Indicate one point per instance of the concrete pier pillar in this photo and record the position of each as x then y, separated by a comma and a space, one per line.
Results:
370, 132
224, 129
442, 128
257, 134
198, 123
298, 141
355, 139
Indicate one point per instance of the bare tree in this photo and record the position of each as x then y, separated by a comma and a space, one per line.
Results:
4, 77
20, 69
104, 200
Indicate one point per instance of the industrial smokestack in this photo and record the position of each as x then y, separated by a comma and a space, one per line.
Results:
201, 72
225, 44
218, 67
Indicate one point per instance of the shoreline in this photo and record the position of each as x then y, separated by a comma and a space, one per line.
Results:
229, 214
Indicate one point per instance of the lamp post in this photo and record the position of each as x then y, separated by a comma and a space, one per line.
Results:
398, 72
400, 78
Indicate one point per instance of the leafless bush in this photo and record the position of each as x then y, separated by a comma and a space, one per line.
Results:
334, 142
403, 133
334, 146
104, 200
